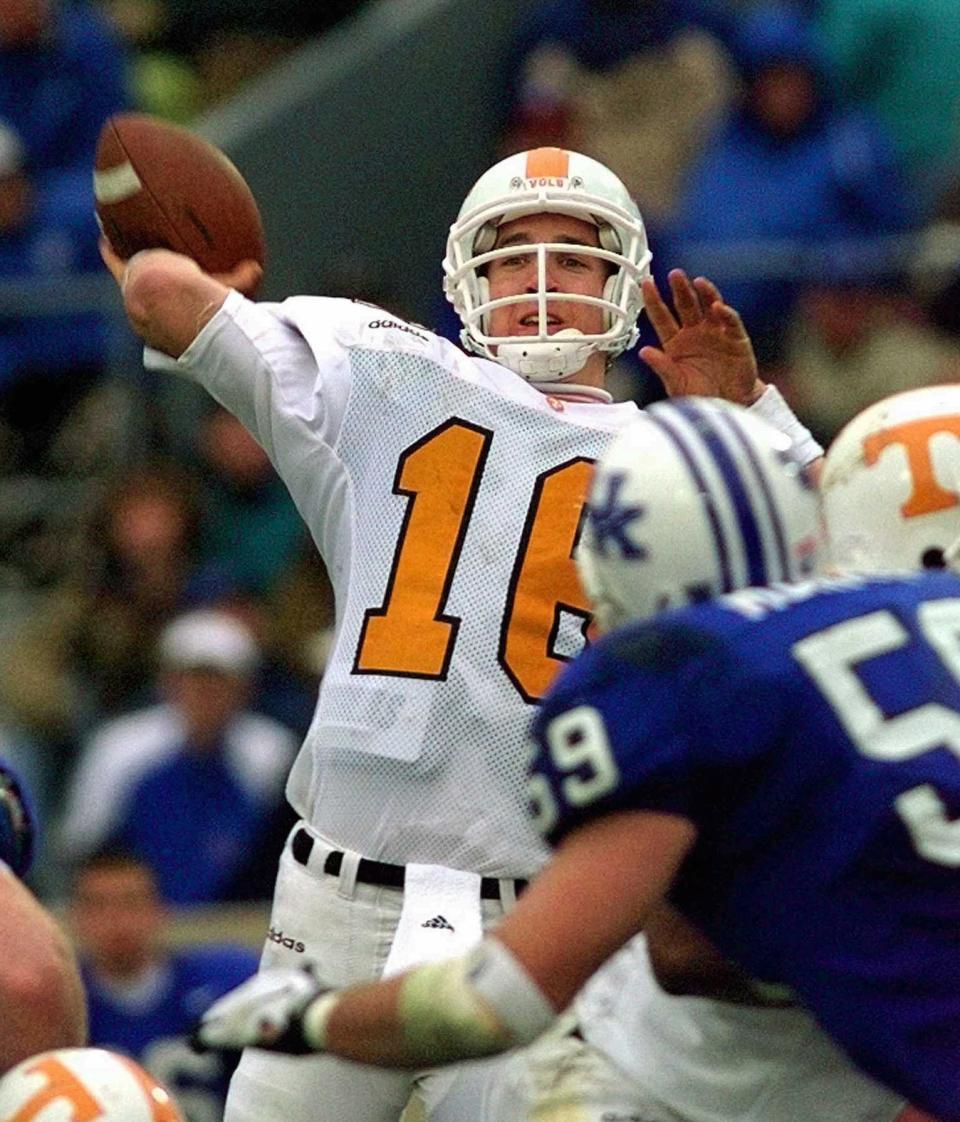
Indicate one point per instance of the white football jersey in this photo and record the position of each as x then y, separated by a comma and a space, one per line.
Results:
445, 495
714, 1061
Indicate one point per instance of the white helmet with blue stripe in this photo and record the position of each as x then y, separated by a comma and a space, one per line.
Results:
699, 497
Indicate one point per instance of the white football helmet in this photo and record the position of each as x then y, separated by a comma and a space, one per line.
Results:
891, 484
83, 1083
552, 181
697, 498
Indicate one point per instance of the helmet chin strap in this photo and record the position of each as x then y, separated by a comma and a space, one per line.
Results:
546, 360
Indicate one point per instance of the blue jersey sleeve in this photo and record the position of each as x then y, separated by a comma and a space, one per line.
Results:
17, 822
221, 967
644, 721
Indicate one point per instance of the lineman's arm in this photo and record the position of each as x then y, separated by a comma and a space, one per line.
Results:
41, 993
590, 900
686, 964
168, 298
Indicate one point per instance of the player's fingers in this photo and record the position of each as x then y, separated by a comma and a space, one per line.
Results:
661, 364
685, 298
730, 318
244, 277
658, 312
707, 291
115, 264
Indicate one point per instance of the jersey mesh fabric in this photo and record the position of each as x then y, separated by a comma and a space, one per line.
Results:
414, 769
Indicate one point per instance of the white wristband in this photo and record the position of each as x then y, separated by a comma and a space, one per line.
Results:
772, 408
497, 976
465, 1008
315, 1018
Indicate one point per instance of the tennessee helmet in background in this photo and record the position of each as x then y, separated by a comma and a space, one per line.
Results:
697, 498
552, 181
891, 483
92, 1084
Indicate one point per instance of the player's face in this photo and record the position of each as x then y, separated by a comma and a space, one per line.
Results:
117, 917
206, 701
567, 271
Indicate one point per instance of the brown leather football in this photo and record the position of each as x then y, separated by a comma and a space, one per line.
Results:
157, 184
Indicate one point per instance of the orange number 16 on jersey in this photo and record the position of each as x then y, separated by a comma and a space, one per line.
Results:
410, 635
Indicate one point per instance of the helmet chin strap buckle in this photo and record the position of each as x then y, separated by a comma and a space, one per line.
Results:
547, 360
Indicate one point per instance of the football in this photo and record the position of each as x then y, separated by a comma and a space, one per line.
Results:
158, 185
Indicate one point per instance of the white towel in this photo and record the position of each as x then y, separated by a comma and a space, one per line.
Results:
440, 917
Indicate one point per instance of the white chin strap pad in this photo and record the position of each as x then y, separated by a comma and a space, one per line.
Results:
546, 360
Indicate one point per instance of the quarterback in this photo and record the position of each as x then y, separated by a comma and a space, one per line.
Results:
445, 491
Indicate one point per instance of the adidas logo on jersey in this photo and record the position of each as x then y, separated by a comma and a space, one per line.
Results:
440, 922
385, 323
277, 936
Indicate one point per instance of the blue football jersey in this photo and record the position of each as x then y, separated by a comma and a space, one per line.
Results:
151, 1024
812, 735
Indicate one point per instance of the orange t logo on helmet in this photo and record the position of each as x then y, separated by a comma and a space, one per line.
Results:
61, 1084
928, 494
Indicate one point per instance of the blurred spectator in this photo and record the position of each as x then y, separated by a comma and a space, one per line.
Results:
193, 24
790, 173
48, 362
143, 996
634, 83
61, 76
297, 630
249, 522
188, 56
901, 58
88, 651
162, 82
230, 41
855, 342
935, 268
193, 786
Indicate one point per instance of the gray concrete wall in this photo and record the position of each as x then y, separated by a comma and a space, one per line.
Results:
361, 148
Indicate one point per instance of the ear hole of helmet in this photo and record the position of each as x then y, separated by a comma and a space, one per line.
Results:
485, 239
608, 238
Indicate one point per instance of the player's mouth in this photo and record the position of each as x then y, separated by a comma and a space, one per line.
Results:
530, 324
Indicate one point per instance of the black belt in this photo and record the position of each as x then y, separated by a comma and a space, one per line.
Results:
379, 872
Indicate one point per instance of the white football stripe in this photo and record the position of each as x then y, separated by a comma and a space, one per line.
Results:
720, 498
116, 184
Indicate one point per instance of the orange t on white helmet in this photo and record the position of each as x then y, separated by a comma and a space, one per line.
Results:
891, 484
83, 1085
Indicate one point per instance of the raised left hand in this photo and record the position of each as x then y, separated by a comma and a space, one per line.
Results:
704, 347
